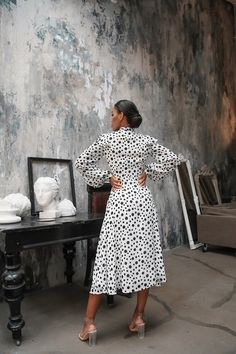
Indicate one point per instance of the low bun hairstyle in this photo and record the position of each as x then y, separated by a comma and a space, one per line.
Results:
130, 111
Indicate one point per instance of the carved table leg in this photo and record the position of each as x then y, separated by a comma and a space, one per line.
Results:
69, 251
110, 300
13, 290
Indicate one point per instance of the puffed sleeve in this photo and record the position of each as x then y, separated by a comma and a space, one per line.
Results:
165, 161
86, 163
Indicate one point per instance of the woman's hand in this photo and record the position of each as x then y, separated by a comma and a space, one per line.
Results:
142, 179
115, 183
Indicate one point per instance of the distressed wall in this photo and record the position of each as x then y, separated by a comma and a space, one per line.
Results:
65, 62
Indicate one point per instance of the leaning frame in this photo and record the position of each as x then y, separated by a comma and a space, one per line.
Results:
183, 203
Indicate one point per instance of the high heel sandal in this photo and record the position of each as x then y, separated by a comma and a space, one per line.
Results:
138, 326
89, 334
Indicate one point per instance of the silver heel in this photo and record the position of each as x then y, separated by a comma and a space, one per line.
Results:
92, 338
141, 331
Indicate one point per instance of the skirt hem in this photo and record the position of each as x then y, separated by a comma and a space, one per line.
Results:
158, 284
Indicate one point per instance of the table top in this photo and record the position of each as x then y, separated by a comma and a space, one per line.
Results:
33, 222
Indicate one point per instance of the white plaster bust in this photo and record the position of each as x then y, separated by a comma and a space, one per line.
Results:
19, 202
66, 208
8, 213
46, 190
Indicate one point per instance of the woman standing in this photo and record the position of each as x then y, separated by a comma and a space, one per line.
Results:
129, 254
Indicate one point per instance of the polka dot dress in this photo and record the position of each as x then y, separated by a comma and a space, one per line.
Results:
129, 254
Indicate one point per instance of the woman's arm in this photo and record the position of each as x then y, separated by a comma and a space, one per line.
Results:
86, 163
166, 161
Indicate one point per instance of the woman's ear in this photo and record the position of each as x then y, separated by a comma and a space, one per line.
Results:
121, 116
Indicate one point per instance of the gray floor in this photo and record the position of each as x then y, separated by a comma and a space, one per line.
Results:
194, 313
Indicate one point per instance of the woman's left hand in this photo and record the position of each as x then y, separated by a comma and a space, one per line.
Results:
142, 179
115, 183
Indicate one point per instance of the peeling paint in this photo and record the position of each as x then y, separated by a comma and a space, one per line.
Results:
103, 96
113, 28
8, 3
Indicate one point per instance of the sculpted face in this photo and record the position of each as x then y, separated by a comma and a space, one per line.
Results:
44, 194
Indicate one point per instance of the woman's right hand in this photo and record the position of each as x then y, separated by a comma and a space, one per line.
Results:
142, 179
115, 183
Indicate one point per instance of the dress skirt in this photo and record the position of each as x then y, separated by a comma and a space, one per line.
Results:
129, 254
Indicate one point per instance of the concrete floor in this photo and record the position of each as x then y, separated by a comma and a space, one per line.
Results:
194, 313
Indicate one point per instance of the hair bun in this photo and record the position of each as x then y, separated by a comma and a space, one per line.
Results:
130, 111
135, 120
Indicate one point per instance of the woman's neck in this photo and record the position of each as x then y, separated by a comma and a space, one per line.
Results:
124, 123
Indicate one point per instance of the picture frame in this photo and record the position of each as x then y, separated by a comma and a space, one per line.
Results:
189, 202
51, 167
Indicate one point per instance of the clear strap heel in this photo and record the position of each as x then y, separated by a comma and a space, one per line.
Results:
92, 339
138, 325
141, 331
89, 333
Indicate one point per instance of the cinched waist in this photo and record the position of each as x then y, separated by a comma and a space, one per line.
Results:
130, 181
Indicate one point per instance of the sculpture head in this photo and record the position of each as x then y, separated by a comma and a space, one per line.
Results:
46, 190
67, 208
20, 202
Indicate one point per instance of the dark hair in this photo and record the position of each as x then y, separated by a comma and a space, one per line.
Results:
130, 111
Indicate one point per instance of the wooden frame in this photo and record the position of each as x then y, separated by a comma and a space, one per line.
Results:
213, 179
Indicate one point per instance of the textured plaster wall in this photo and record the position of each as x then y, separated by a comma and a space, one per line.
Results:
63, 63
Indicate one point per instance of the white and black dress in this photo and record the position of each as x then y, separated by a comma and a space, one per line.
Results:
129, 254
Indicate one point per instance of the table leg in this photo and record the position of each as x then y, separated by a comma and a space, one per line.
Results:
69, 251
13, 290
110, 300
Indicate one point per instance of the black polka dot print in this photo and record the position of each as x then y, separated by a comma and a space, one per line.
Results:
129, 254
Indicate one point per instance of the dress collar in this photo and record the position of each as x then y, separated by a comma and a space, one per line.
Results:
126, 132
126, 128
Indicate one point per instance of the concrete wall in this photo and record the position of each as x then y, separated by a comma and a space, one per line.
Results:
65, 62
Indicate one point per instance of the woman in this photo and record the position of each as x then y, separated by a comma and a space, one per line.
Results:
129, 254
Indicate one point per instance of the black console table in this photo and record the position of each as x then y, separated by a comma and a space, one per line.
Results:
32, 233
